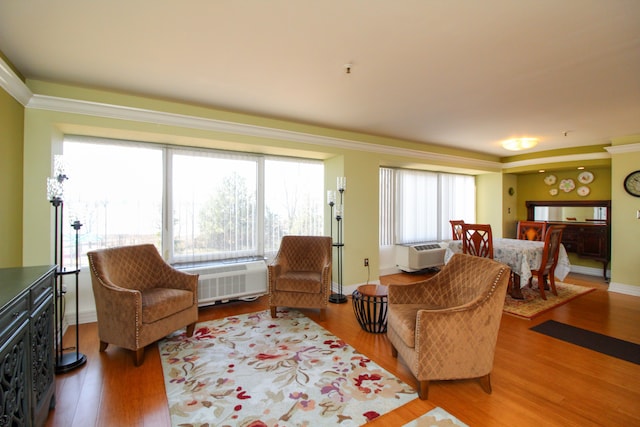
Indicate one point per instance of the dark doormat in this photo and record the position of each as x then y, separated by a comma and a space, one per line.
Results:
610, 346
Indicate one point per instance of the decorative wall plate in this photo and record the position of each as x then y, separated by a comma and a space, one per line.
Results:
585, 177
550, 179
567, 185
553, 191
583, 191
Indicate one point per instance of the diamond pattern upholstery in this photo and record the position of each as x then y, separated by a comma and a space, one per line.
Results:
446, 327
139, 297
300, 274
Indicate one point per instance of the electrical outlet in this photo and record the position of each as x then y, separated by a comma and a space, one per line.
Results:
366, 262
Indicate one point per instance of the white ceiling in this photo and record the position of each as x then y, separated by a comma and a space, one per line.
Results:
459, 73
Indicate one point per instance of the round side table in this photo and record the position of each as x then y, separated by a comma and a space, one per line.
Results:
370, 307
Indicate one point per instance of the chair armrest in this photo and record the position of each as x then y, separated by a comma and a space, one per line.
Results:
175, 279
422, 292
435, 330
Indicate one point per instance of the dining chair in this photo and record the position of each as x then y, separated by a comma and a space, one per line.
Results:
477, 240
456, 228
546, 271
531, 230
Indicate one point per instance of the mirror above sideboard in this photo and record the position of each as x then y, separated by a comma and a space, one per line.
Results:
569, 210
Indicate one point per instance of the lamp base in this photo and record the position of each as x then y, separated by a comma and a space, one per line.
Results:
70, 361
337, 298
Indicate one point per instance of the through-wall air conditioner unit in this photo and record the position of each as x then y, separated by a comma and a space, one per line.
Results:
416, 257
223, 282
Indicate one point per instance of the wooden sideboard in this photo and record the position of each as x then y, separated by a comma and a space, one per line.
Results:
27, 388
587, 241
588, 238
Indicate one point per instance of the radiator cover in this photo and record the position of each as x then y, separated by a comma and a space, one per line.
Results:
223, 282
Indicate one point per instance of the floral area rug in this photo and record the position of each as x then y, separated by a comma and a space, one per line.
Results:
533, 304
437, 417
252, 370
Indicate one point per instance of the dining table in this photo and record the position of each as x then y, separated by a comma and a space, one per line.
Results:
521, 256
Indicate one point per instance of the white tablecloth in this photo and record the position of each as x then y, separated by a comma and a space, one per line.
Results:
520, 255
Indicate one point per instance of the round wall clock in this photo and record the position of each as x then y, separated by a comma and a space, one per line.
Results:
632, 183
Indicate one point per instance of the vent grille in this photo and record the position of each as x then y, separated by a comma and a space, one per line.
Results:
225, 282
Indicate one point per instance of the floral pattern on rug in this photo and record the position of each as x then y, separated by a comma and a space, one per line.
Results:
437, 417
252, 370
533, 304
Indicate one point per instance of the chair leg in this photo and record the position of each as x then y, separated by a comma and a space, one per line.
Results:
103, 346
423, 390
190, 329
273, 312
552, 283
138, 356
485, 383
541, 282
394, 351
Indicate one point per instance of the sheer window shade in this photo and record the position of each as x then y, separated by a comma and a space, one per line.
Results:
195, 205
416, 206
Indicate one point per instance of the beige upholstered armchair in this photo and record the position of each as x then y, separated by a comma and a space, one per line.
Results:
300, 274
446, 327
140, 298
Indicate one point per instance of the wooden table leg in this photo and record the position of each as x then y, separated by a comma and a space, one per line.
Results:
516, 292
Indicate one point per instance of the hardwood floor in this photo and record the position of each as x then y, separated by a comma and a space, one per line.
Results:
536, 380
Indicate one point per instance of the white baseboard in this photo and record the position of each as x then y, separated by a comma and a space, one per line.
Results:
589, 271
85, 317
622, 288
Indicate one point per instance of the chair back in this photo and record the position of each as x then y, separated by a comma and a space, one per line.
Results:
532, 230
456, 228
305, 253
552, 240
132, 267
477, 240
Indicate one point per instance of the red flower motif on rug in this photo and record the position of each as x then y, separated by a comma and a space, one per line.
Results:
257, 371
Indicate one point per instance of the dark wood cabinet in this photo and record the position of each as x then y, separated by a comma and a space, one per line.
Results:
27, 388
587, 241
590, 238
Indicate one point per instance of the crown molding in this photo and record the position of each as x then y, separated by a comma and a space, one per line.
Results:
11, 83
66, 105
556, 159
621, 149
16, 88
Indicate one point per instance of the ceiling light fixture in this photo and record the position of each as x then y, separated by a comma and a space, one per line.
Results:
517, 144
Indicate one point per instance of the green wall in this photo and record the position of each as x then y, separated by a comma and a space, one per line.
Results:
359, 162
532, 186
45, 128
625, 257
11, 139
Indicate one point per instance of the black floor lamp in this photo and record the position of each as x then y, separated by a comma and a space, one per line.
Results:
337, 297
64, 361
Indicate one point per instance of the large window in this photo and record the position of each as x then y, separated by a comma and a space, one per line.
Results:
416, 206
194, 205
